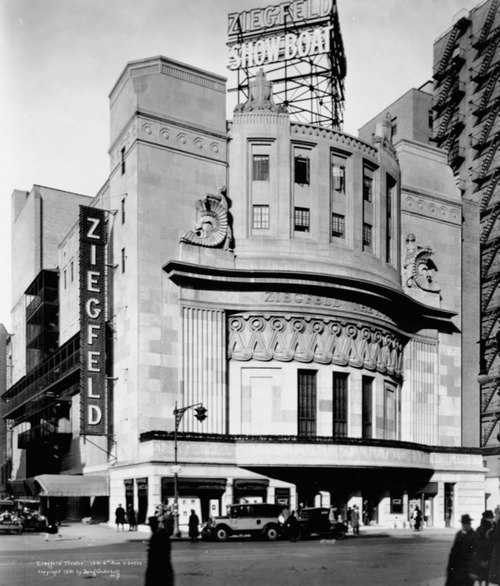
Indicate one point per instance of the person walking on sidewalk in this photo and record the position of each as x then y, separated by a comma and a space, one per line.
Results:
194, 522
131, 518
355, 520
459, 562
120, 517
159, 570
52, 528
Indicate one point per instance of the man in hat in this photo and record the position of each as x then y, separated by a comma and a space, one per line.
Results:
460, 560
483, 547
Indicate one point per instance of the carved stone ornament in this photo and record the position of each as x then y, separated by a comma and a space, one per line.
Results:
261, 96
321, 340
419, 269
212, 228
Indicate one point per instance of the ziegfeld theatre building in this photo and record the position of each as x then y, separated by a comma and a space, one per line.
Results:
263, 269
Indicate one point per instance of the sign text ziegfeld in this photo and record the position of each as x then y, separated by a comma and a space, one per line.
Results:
92, 321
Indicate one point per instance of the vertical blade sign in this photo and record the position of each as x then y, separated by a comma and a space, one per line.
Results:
93, 414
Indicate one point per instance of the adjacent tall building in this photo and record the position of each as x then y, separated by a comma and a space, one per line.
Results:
466, 111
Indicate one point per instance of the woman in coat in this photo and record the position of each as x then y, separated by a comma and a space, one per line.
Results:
193, 526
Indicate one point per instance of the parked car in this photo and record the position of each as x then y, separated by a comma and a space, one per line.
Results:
259, 519
318, 521
10, 519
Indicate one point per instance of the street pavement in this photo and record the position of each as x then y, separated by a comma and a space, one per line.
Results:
379, 556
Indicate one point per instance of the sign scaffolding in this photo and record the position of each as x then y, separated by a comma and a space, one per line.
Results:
299, 46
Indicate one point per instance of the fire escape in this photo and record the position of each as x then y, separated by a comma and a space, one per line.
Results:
485, 141
449, 90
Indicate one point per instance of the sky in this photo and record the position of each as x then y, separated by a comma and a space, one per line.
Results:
59, 60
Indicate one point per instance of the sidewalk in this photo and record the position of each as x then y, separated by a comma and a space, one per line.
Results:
73, 534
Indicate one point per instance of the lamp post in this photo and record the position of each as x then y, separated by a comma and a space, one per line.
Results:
201, 415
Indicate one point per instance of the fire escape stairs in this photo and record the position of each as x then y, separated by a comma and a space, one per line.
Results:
488, 90
488, 193
488, 392
487, 157
489, 430
450, 45
489, 286
444, 124
488, 221
488, 22
483, 74
443, 94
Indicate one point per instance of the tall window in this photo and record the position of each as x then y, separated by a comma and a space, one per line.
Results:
65, 278
338, 178
394, 127
123, 210
306, 408
367, 184
338, 225
390, 411
339, 404
260, 218
260, 168
301, 170
390, 186
124, 258
367, 407
72, 271
301, 219
122, 160
367, 235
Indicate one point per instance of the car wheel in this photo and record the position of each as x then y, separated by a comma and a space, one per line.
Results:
271, 533
221, 534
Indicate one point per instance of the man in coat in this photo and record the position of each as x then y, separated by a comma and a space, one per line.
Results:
460, 560
193, 522
159, 571
494, 575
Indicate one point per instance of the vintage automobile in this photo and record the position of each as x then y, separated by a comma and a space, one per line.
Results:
316, 521
10, 519
256, 520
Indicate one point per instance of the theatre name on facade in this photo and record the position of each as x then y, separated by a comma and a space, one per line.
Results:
269, 270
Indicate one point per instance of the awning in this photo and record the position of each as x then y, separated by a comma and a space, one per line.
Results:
250, 484
72, 485
431, 489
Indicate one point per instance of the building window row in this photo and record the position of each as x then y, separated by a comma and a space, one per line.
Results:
307, 411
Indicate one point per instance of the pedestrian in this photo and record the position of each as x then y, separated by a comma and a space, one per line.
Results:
120, 517
355, 520
482, 548
193, 526
159, 570
52, 528
292, 527
417, 518
167, 521
366, 516
131, 518
494, 573
460, 559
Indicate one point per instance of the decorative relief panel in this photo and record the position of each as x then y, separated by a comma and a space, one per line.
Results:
212, 227
324, 340
426, 207
419, 269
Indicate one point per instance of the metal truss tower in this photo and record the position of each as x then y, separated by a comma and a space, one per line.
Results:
311, 88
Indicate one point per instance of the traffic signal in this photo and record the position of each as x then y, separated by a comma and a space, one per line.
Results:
201, 413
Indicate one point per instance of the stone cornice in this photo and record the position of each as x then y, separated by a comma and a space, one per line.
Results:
295, 439
171, 68
350, 142
429, 206
409, 314
171, 134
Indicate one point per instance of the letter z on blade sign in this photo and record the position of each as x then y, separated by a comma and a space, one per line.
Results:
93, 414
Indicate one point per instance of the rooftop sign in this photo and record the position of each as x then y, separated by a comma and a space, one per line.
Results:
292, 29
